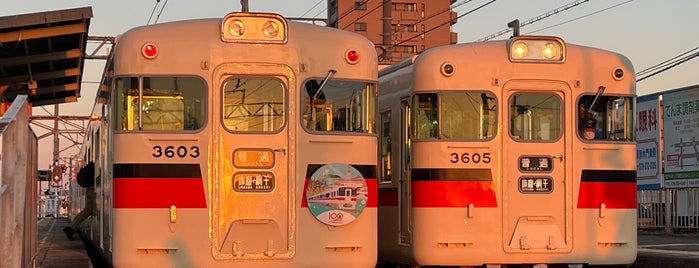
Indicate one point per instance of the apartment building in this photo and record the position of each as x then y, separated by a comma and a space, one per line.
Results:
398, 28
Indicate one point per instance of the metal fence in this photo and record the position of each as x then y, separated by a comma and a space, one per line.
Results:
675, 210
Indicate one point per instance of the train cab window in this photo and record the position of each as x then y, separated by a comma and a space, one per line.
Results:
468, 115
339, 106
607, 118
535, 116
254, 104
454, 115
160, 103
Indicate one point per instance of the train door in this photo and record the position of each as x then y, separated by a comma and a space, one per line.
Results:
404, 189
536, 187
251, 182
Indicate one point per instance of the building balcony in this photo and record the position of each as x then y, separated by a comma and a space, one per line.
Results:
405, 16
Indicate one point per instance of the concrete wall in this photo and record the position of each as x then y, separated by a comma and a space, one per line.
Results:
18, 197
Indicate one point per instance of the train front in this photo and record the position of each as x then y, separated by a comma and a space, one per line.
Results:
519, 151
246, 141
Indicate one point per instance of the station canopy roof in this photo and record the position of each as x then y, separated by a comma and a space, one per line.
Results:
42, 55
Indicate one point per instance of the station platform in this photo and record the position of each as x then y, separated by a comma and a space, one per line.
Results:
55, 250
655, 249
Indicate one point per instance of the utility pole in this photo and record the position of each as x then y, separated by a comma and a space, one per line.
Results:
56, 147
387, 47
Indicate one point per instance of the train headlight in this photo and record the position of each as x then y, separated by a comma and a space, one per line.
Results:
519, 50
536, 49
236, 28
271, 29
245, 27
549, 51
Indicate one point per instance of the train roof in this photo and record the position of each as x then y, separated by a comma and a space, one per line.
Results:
478, 49
203, 37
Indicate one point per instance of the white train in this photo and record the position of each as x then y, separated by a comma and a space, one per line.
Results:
519, 151
206, 136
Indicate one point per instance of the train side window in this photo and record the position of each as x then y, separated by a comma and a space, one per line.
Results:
535, 116
125, 102
254, 104
385, 146
609, 118
339, 106
160, 103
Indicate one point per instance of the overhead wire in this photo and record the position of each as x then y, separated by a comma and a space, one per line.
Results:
650, 69
320, 12
667, 64
365, 14
309, 10
161, 12
452, 7
581, 17
314, 6
348, 11
157, 2
535, 19
446, 22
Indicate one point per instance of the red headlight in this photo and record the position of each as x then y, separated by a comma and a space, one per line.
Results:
352, 56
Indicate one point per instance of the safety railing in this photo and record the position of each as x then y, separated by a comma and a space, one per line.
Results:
675, 210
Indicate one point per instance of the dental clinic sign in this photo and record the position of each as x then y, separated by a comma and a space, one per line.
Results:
648, 137
681, 131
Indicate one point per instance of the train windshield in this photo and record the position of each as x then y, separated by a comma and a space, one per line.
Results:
254, 104
535, 116
454, 115
160, 103
609, 118
339, 106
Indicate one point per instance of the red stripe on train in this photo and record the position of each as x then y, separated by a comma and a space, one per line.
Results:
371, 184
159, 193
453, 194
612, 194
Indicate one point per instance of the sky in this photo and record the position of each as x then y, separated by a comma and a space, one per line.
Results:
648, 32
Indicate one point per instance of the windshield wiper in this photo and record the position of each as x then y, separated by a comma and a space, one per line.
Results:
600, 90
331, 72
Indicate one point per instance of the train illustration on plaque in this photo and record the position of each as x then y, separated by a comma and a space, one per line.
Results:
336, 194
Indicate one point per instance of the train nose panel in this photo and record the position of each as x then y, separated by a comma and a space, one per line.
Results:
537, 233
252, 214
253, 237
536, 189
